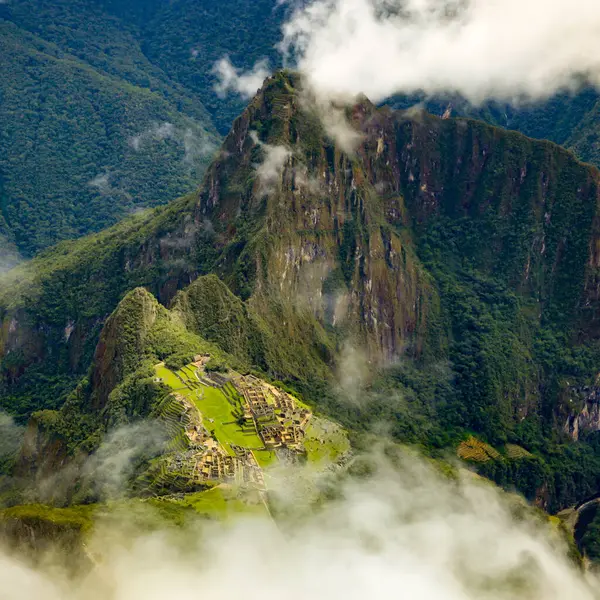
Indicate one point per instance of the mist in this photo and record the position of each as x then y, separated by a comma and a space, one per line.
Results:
401, 530
270, 169
9, 255
231, 79
515, 51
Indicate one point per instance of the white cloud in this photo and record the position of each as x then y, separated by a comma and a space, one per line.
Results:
196, 146
270, 170
101, 182
504, 49
233, 80
157, 132
9, 255
353, 372
406, 532
104, 184
11, 435
111, 466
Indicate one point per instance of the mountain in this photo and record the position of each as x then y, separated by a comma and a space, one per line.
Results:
109, 107
91, 129
568, 119
444, 275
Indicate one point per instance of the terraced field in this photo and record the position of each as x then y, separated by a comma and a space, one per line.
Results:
476, 450
220, 409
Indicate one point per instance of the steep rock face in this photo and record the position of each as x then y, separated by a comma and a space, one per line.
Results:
42, 453
320, 239
121, 343
334, 245
583, 404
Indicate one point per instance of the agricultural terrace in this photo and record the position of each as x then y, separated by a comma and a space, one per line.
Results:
221, 409
249, 422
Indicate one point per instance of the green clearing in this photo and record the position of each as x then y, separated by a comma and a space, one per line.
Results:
325, 441
219, 502
218, 412
79, 517
217, 407
264, 457
170, 379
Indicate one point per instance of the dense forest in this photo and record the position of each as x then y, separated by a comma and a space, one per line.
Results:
106, 110
109, 107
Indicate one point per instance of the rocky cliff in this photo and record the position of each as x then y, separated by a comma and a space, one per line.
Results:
466, 251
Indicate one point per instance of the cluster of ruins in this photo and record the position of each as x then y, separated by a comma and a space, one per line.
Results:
279, 422
276, 417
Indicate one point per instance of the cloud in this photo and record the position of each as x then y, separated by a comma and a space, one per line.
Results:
11, 436
105, 474
481, 49
101, 182
401, 531
157, 132
246, 84
112, 465
337, 126
270, 170
353, 373
9, 255
196, 146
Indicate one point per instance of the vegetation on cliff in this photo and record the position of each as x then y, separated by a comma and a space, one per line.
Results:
459, 256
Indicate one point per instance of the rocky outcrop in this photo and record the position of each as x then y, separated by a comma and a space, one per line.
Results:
584, 403
322, 243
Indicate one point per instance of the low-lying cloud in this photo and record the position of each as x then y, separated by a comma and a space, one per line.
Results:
270, 170
9, 255
156, 132
11, 436
231, 79
404, 532
196, 146
509, 50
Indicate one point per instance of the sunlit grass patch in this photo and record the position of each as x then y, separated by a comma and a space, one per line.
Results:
515, 452
325, 441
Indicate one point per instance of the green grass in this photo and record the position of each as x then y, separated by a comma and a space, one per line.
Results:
335, 441
74, 517
221, 502
170, 379
265, 457
214, 404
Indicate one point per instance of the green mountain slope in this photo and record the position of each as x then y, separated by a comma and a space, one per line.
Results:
109, 106
91, 130
452, 262
566, 119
